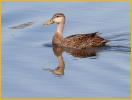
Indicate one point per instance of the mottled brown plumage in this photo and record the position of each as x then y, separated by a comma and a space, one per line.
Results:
78, 41
83, 41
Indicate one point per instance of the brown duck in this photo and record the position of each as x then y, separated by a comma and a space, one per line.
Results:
77, 41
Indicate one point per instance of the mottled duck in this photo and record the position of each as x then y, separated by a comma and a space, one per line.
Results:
77, 41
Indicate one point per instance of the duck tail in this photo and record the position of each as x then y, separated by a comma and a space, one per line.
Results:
96, 34
105, 41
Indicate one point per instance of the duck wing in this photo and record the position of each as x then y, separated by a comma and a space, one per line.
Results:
83, 41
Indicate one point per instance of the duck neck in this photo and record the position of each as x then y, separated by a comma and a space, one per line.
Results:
60, 28
58, 35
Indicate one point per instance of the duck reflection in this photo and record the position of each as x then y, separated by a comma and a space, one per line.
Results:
58, 52
59, 70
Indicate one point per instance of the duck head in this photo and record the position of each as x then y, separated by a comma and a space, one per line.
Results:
57, 18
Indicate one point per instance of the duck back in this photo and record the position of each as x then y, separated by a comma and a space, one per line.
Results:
83, 41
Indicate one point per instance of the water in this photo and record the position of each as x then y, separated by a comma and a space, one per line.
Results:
29, 62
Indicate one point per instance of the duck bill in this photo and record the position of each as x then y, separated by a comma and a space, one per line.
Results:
49, 22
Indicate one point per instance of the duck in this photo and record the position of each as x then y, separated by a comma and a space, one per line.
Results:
77, 41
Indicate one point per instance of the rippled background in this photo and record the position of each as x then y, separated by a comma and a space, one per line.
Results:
27, 51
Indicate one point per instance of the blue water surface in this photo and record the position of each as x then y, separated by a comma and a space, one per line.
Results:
24, 56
